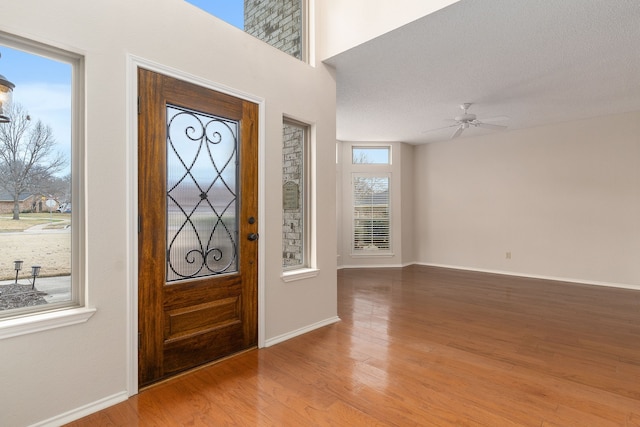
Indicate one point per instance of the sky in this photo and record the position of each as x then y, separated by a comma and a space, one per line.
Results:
231, 11
43, 88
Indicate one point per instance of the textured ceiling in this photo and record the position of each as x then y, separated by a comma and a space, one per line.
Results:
536, 62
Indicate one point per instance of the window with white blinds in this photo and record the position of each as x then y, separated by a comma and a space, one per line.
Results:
371, 213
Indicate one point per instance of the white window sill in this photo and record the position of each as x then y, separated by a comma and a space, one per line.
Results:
303, 273
43, 321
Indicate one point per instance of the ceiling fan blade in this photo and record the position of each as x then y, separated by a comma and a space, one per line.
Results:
489, 126
457, 132
496, 119
445, 127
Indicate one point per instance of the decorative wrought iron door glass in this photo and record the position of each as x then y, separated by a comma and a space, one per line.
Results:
202, 197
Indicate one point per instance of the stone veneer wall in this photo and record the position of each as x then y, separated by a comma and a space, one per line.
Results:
292, 172
276, 22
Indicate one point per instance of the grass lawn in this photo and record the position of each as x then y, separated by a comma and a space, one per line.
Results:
56, 220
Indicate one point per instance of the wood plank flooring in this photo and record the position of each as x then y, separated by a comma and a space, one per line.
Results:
424, 346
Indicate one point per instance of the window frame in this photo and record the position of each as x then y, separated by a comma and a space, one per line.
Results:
308, 267
371, 147
34, 319
304, 194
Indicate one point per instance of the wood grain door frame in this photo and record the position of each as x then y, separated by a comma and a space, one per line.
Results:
133, 63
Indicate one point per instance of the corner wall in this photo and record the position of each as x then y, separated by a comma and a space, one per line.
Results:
562, 200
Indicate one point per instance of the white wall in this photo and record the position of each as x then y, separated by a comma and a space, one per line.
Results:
346, 24
54, 372
563, 199
400, 192
407, 204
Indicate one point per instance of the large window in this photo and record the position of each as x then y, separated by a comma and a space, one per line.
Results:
280, 23
39, 178
295, 200
371, 213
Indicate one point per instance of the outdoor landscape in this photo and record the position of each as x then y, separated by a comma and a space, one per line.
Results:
31, 240
37, 239
35, 179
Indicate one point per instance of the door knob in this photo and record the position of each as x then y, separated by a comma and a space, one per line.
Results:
253, 236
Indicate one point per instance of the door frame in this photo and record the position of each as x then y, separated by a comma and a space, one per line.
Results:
133, 63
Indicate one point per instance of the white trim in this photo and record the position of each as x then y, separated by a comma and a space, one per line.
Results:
83, 411
300, 274
309, 205
310, 32
76, 309
301, 331
131, 180
372, 253
373, 266
406, 264
190, 78
133, 63
44, 321
262, 218
373, 147
536, 276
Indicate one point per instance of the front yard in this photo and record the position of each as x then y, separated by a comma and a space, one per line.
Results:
27, 220
50, 250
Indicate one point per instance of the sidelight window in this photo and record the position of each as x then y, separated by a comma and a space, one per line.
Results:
41, 178
295, 200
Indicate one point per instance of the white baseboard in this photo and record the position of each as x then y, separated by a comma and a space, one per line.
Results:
536, 276
373, 266
83, 411
293, 334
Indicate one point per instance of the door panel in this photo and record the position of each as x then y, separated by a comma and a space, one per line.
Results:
197, 199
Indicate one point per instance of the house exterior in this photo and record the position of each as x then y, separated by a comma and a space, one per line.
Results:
63, 372
27, 203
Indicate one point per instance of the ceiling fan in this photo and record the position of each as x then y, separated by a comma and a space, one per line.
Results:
467, 120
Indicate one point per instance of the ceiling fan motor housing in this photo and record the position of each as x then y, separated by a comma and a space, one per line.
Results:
465, 118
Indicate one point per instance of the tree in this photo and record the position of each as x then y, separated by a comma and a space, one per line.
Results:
27, 158
58, 188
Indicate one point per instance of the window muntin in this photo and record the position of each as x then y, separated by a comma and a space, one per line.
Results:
371, 155
280, 23
295, 199
371, 213
44, 109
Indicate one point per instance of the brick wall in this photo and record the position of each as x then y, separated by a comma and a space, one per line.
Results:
292, 172
277, 22
30, 204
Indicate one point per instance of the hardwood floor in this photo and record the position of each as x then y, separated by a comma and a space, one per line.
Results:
430, 347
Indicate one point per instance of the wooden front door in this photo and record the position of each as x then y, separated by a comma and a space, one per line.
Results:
197, 200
